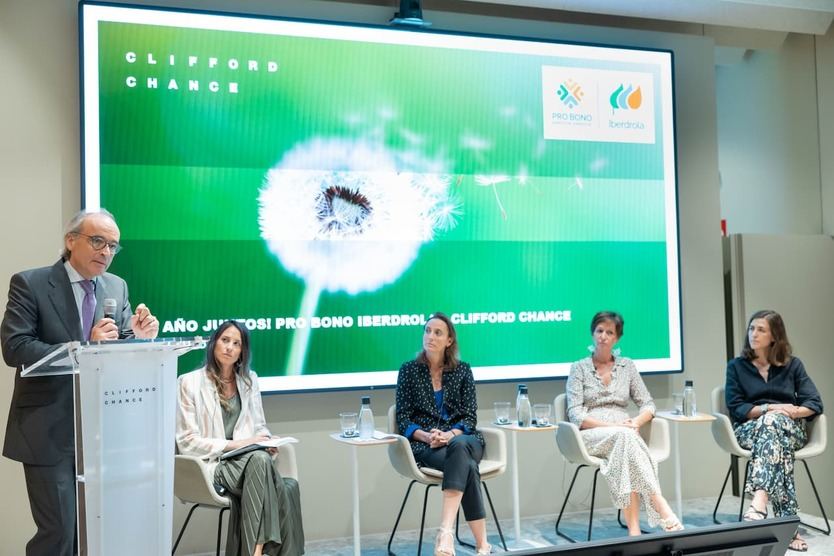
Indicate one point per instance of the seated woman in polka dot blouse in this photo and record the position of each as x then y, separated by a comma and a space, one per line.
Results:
436, 411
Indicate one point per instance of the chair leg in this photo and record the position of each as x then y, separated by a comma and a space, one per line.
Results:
182, 530
593, 500
721, 495
423, 520
399, 515
827, 530
457, 533
743, 487
565, 503
220, 528
495, 517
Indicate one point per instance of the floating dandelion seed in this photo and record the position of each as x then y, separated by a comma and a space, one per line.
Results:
350, 216
523, 176
598, 164
578, 183
387, 113
353, 119
412, 137
476, 143
491, 181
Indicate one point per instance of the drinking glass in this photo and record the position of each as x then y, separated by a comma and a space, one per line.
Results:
677, 403
348, 423
502, 413
542, 413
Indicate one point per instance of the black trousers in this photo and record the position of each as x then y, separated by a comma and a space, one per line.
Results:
51, 490
459, 462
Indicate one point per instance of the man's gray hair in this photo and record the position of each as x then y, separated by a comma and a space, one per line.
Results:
73, 226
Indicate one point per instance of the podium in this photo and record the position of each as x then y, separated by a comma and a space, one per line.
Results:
125, 411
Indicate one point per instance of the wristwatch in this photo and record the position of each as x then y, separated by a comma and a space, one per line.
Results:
764, 408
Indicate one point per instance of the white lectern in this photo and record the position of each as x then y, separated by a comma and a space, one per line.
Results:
125, 405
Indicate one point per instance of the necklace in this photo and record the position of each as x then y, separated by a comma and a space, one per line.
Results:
225, 381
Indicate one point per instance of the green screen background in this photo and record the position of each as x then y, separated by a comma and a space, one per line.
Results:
583, 228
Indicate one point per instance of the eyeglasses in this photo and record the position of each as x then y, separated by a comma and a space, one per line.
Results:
99, 243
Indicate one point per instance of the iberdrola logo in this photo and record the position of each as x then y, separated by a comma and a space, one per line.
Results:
626, 98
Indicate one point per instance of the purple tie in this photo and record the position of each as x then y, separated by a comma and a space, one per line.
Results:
88, 306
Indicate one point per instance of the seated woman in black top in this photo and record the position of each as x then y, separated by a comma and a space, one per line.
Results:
436, 411
769, 396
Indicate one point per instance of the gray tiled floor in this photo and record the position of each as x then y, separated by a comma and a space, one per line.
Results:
540, 529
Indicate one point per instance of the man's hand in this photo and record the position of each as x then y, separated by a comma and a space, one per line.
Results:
143, 323
105, 329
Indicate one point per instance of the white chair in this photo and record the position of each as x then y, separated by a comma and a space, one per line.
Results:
493, 464
194, 485
655, 433
722, 431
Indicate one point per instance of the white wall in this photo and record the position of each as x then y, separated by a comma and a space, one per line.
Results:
768, 141
825, 90
39, 160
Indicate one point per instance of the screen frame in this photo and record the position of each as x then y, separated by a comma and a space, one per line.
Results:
387, 379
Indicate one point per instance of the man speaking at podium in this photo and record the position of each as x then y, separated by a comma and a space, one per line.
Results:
47, 307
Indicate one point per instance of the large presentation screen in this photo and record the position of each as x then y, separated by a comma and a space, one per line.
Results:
332, 185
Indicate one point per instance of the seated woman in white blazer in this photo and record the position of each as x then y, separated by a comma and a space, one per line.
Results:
220, 410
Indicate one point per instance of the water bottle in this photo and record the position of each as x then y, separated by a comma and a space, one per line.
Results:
689, 407
523, 410
366, 419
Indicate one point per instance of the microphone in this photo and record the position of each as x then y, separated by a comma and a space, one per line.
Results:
110, 308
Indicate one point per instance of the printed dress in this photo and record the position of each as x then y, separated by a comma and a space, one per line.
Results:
627, 465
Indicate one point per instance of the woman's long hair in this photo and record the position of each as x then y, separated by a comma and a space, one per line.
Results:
241, 367
780, 350
451, 353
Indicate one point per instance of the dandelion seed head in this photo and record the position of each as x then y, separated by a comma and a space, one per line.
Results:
347, 216
343, 210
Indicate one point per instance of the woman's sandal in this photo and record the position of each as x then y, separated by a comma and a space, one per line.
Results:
752, 514
798, 544
484, 551
441, 534
671, 523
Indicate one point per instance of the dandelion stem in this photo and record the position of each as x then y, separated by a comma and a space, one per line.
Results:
301, 336
498, 200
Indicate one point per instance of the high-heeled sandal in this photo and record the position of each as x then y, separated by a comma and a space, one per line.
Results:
671, 523
450, 551
752, 514
484, 551
798, 544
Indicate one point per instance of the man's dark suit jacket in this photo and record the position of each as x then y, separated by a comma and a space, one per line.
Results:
40, 315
